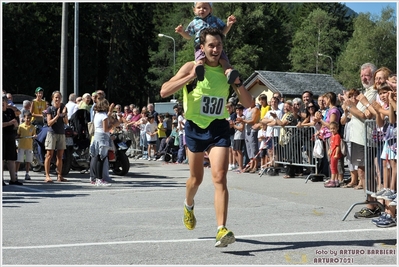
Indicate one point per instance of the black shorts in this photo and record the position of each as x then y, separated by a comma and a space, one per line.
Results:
152, 142
200, 140
239, 145
9, 147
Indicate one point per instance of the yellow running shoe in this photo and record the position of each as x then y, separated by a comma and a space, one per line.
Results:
189, 218
224, 237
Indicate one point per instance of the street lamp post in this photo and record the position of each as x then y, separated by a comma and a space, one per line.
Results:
174, 53
332, 67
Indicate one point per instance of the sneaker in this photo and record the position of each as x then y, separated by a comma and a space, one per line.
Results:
189, 218
230, 168
4, 183
387, 222
27, 176
149, 159
382, 217
390, 197
367, 213
200, 72
100, 182
224, 237
162, 158
92, 182
15, 183
387, 193
393, 202
379, 193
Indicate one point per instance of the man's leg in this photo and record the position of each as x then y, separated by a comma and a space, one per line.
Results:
219, 160
195, 161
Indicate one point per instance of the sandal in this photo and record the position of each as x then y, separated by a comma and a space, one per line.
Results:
200, 72
358, 187
349, 185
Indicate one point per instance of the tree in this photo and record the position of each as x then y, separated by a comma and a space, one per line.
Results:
316, 35
374, 40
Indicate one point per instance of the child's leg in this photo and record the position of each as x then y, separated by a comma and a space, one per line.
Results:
232, 74
199, 64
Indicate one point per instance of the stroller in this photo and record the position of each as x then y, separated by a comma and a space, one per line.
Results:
167, 150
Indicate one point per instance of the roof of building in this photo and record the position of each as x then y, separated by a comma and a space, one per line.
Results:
293, 83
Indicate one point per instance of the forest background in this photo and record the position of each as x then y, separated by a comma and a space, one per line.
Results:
120, 51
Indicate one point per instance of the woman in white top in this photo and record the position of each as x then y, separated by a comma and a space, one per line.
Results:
102, 140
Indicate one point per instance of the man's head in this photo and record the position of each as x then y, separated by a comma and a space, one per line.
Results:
100, 94
150, 107
26, 104
367, 73
86, 98
274, 103
321, 103
202, 9
72, 97
211, 42
9, 97
307, 96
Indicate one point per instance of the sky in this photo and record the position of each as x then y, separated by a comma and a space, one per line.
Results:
373, 8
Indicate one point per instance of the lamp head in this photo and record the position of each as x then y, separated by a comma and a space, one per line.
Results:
160, 34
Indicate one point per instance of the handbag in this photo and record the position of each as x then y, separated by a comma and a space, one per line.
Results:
90, 126
318, 150
343, 147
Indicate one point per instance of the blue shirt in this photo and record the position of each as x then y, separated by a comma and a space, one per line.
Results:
198, 24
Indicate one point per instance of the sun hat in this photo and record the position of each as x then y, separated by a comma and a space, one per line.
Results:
38, 89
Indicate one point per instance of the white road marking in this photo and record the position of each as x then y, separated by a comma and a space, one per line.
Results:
193, 240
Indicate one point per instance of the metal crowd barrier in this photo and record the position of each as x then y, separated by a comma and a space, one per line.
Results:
373, 164
295, 147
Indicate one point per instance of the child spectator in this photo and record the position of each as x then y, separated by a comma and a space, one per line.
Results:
38, 106
26, 131
161, 128
151, 130
204, 19
334, 153
263, 140
239, 139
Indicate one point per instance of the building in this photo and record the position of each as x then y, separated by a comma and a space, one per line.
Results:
291, 84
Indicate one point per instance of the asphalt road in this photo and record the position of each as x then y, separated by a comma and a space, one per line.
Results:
138, 221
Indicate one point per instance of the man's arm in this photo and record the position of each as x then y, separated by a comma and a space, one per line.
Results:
182, 77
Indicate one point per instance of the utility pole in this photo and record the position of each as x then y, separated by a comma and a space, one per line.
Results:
76, 52
64, 53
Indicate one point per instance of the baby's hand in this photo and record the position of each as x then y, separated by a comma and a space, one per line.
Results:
231, 20
179, 29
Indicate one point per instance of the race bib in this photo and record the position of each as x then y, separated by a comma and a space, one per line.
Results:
212, 105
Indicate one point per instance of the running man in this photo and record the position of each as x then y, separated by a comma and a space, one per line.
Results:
207, 129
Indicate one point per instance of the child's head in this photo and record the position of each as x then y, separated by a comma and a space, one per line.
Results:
174, 124
383, 90
264, 126
27, 117
161, 117
392, 78
239, 109
202, 9
39, 92
150, 118
334, 127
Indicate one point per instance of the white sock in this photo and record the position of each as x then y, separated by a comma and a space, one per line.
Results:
220, 227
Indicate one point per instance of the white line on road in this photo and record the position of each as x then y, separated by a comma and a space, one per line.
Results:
192, 240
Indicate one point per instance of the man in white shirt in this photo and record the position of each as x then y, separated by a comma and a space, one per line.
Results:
71, 106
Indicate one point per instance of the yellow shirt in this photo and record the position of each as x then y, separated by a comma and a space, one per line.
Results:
24, 131
37, 108
161, 130
263, 111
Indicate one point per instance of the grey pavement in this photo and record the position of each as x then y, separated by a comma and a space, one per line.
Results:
138, 221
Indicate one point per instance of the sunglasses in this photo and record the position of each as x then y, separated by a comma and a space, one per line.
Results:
309, 107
